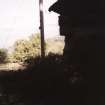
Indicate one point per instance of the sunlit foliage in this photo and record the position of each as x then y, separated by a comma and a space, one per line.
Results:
25, 49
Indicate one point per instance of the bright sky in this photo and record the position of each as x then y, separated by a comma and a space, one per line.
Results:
20, 18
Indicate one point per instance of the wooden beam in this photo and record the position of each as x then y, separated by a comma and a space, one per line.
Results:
42, 28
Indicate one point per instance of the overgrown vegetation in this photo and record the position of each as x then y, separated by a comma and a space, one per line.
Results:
3, 55
29, 49
25, 49
45, 83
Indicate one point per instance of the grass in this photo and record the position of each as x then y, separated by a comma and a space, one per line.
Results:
43, 83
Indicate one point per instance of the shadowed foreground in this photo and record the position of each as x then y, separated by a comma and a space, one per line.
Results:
48, 82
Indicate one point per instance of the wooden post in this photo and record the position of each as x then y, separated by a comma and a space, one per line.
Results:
42, 28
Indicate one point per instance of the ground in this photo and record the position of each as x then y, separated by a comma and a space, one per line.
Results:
12, 66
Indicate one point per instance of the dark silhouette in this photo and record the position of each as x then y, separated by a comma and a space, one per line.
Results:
77, 77
3, 55
82, 23
48, 81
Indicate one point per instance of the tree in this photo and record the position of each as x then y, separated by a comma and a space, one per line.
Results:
3, 55
26, 49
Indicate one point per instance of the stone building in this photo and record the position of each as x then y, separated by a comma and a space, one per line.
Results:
82, 23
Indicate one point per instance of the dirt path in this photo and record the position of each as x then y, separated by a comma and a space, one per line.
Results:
12, 66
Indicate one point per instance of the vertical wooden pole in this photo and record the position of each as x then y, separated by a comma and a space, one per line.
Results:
42, 28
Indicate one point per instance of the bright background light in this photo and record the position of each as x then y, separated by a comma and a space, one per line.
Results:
20, 18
